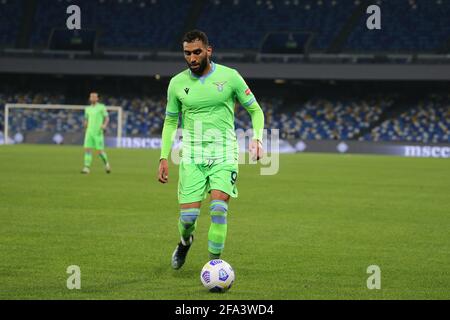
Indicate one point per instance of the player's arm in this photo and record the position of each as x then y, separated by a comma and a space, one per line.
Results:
248, 101
168, 133
105, 119
85, 122
105, 123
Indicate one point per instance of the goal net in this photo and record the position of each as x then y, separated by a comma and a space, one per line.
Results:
55, 124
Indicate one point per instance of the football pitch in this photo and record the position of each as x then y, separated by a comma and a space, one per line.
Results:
309, 232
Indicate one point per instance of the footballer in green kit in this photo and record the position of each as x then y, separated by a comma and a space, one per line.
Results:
95, 122
204, 97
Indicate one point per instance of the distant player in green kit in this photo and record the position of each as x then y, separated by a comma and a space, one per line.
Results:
205, 95
95, 121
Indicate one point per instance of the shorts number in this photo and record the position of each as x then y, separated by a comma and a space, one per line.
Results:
233, 177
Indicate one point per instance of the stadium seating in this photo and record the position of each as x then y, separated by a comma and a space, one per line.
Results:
428, 121
419, 25
244, 23
316, 119
57, 121
321, 119
25, 120
143, 116
10, 18
121, 23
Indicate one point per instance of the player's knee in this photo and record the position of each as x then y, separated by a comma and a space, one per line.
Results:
218, 206
188, 217
219, 195
218, 211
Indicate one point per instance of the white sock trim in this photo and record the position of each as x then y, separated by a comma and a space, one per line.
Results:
186, 243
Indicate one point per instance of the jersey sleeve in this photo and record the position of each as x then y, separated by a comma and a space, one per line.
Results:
173, 107
86, 114
242, 92
105, 112
246, 98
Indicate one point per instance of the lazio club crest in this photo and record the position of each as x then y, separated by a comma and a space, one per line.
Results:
220, 85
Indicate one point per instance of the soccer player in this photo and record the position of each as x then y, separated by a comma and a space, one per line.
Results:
96, 120
205, 95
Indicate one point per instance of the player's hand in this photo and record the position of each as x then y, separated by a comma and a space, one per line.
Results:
163, 175
256, 150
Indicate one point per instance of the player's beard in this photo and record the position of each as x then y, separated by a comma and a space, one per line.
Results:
201, 68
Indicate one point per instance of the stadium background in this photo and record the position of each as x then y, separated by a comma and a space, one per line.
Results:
326, 81
313, 92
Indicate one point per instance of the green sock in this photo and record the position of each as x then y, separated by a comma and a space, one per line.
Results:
218, 230
87, 159
104, 157
188, 222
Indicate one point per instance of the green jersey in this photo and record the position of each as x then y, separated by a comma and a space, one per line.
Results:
95, 116
206, 105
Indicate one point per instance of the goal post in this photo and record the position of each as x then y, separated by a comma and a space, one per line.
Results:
9, 107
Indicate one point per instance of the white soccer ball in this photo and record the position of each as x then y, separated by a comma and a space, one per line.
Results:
217, 276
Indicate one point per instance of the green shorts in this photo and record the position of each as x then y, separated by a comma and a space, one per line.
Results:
197, 180
94, 141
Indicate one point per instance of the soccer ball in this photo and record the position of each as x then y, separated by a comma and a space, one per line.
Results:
217, 276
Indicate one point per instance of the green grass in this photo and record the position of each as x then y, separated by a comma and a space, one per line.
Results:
309, 232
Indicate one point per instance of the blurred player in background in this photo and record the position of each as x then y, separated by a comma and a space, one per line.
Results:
205, 95
96, 120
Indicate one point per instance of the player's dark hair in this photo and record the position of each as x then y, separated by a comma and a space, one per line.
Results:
193, 35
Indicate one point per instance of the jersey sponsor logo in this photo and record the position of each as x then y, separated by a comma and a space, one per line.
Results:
220, 85
186, 90
248, 92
